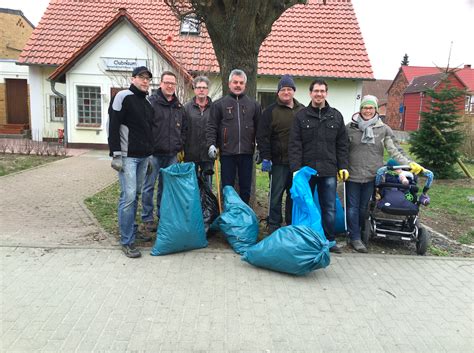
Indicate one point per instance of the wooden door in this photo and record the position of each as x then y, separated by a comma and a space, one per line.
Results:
17, 101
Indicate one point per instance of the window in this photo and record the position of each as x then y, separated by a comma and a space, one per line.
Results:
189, 25
56, 105
89, 106
266, 98
469, 107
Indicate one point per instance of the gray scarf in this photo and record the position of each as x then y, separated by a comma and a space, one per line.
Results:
366, 127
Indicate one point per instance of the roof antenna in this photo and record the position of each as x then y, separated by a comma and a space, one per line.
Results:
449, 56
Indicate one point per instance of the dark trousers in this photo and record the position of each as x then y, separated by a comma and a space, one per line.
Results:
327, 200
357, 197
241, 164
281, 178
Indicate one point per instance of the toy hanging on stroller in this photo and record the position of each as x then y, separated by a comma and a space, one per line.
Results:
395, 215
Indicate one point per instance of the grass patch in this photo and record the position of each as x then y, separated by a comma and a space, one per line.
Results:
12, 163
467, 238
437, 252
452, 200
103, 206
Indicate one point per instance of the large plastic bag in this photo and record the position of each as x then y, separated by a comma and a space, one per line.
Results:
304, 211
181, 224
293, 249
339, 227
209, 206
238, 222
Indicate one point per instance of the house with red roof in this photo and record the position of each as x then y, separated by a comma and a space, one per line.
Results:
82, 52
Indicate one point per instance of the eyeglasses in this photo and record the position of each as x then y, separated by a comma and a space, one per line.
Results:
368, 108
318, 91
201, 87
144, 78
169, 83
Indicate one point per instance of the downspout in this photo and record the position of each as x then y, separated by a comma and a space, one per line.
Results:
53, 83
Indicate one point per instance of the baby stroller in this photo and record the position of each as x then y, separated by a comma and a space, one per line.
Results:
394, 207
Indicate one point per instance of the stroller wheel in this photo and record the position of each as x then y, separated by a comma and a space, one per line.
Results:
366, 232
423, 241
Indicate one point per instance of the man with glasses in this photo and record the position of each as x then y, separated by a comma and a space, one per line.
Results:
231, 128
168, 136
272, 137
319, 140
131, 143
197, 112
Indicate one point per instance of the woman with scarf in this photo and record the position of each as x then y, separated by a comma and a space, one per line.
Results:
368, 136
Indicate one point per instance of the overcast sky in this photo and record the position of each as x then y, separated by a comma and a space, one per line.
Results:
424, 29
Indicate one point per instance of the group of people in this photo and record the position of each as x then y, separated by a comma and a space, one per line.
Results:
147, 133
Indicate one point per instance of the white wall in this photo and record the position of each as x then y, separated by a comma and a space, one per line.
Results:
9, 69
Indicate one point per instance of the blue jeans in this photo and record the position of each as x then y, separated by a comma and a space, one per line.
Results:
242, 164
157, 161
327, 200
281, 182
357, 197
131, 181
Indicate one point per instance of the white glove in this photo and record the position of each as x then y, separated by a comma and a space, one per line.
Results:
117, 163
212, 153
294, 173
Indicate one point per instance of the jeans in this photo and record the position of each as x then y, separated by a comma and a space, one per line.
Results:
131, 181
281, 180
205, 169
241, 164
327, 200
357, 197
157, 161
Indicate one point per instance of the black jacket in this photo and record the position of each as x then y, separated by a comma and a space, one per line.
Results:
274, 131
130, 124
319, 140
168, 125
195, 148
233, 124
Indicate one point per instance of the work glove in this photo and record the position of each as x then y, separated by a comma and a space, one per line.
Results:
212, 152
295, 172
117, 163
266, 165
416, 168
424, 200
258, 158
342, 175
149, 168
180, 156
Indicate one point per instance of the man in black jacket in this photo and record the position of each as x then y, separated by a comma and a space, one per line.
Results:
168, 135
319, 140
131, 143
272, 138
197, 112
232, 127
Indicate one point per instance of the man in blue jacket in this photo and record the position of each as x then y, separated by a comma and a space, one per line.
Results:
131, 143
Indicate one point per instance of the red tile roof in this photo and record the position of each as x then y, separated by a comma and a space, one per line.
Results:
307, 40
411, 72
466, 75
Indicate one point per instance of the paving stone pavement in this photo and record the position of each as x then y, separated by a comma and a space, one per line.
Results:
44, 206
85, 300
62, 291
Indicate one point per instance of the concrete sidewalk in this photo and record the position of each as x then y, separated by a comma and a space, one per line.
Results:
64, 290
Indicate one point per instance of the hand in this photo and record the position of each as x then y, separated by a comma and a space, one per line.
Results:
416, 168
212, 152
342, 175
180, 156
424, 200
149, 168
117, 163
294, 173
266, 165
258, 158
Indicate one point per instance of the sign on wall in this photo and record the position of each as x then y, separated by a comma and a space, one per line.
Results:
123, 64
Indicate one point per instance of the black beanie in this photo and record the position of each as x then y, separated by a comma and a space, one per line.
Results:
286, 81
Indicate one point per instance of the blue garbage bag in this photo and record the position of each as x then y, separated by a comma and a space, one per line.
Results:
304, 211
340, 226
238, 222
293, 249
181, 224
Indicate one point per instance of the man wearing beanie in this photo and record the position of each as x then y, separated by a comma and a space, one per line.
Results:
272, 137
318, 139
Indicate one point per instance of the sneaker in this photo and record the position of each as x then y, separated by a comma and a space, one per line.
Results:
358, 246
335, 249
149, 226
131, 251
142, 238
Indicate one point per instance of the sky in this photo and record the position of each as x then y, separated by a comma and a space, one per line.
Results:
426, 30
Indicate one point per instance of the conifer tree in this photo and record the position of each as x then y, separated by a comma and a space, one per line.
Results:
437, 141
405, 60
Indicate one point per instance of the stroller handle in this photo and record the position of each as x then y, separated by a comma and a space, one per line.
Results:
414, 188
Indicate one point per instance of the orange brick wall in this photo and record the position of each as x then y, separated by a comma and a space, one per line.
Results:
395, 98
3, 105
14, 31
